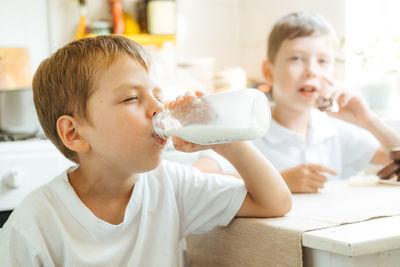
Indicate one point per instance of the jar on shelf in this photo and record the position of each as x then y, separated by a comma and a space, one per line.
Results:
161, 17
100, 27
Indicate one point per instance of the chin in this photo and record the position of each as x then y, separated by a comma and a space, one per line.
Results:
153, 163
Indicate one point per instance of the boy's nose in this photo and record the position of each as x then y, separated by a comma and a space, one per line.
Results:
311, 70
156, 107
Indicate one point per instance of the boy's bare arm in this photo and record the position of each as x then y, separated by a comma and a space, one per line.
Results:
267, 193
354, 109
304, 178
210, 165
386, 136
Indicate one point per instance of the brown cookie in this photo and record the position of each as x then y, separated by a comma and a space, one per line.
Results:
394, 154
387, 171
324, 104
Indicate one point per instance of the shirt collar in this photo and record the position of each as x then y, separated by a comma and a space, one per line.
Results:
322, 126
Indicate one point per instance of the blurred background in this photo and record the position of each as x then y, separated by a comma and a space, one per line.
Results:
216, 44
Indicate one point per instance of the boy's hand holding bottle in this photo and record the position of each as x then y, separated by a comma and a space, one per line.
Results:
198, 121
182, 107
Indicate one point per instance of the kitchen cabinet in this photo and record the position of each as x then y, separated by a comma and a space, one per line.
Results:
371, 243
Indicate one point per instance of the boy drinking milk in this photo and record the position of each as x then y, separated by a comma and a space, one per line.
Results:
306, 145
121, 205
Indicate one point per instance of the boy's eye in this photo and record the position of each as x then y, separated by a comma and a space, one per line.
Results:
132, 98
323, 61
295, 58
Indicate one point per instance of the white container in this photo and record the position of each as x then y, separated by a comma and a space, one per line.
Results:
230, 79
161, 17
17, 112
225, 117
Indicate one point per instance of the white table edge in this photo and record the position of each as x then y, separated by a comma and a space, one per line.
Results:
384, 235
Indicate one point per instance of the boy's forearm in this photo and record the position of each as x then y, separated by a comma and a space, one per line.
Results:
263, 182
386, 135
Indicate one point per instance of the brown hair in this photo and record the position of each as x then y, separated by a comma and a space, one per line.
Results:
295, 25
64, 82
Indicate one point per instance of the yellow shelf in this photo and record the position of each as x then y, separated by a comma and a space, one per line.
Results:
146, 39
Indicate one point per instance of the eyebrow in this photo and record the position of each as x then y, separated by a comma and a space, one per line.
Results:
155, 89
305, 51
128, 86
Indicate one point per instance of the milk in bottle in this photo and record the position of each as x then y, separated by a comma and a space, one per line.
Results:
230, 116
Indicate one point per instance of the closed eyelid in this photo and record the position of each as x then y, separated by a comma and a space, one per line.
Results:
295, 58
130, 98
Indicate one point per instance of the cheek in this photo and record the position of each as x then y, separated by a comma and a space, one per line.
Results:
286, 77
121, 131
328, 70
128, 131
120, 119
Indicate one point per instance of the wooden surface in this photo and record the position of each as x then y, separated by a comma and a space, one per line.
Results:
278, 241
15, 68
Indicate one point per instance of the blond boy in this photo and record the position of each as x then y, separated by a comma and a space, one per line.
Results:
121, 205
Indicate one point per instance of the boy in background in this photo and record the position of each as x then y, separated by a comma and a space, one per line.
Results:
121, 206
306, 145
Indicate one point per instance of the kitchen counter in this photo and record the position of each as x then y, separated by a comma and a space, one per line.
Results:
24, 166
345, 224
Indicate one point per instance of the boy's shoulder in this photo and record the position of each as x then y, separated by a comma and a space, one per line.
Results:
38, 202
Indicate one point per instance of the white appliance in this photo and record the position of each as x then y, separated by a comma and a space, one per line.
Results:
24, 166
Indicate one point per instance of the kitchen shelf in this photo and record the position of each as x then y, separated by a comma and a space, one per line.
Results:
146, 39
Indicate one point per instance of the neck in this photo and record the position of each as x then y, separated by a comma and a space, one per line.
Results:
292, 119
106, 194
89, 182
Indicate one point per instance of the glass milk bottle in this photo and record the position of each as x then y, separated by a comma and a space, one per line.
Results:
225, 117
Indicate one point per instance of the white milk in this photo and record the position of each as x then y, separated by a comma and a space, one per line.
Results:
230, 116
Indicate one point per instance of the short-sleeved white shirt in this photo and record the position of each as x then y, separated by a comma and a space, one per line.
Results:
52, 227
331, 142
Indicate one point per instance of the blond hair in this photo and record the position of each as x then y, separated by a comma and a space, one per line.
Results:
295, 25
64, 82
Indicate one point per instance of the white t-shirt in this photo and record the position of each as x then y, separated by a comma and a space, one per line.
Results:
331, 142
52, 227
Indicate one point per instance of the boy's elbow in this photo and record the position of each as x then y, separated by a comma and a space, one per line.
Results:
287, 206
281, 207
284, 206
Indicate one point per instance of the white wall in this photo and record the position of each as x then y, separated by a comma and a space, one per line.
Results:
210, 28
23, 23
235, 31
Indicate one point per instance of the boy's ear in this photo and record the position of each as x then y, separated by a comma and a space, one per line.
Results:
67, 128
267, 72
